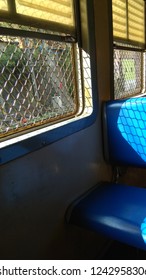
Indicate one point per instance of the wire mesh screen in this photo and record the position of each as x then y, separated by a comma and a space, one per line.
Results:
84, 83
37, 82
87, 83
128, 73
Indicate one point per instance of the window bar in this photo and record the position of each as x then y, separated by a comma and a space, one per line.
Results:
128, 48
38, 35
11, 6
36, 23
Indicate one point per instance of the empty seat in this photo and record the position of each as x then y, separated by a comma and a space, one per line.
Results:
124, 125
116, 210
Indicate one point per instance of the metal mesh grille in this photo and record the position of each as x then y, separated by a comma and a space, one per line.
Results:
41, 82
87, 83
84, 83
37, 82
128, 73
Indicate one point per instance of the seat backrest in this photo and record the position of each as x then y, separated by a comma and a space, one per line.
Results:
124, 126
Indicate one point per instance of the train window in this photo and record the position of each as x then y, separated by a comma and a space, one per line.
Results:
129, 75
45, 77
129, 53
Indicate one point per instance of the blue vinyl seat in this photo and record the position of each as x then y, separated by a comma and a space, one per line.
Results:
124, 125
117, 210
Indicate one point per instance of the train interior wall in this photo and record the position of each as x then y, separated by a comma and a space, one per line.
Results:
36, 189
35, 192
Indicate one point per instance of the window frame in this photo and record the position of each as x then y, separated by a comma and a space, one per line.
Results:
129, 45
64, 128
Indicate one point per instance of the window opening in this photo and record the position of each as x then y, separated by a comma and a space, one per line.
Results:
129, 47
129, 74
43, 82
